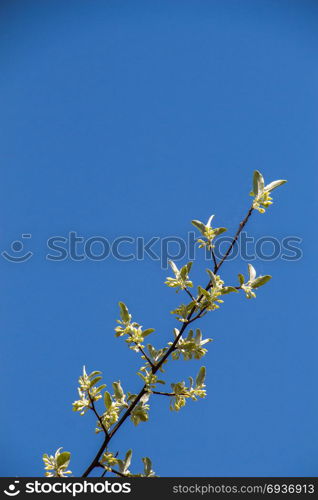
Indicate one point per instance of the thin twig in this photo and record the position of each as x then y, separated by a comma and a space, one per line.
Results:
214, 260
96, 413
190, 294
238, 232
114, 471
171, 394
146, 357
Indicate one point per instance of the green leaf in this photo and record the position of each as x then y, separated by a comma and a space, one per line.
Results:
107, 400
101, 387
184, 272
219, 230
274, 185
198, 336
147, 465
118, 391
94, 381
124, 313
63, 458
201, 376
241, 279
127, 460
203, 292
147, 332
189, 266
258, 183
199, 225
260, 281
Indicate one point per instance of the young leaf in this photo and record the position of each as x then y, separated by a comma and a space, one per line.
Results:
124, 313
209, 221
118, 391
260, 281
94, 381
258, 183
147, 332
189, 266
63, 458
199, 225
274, 185
212, 276
219, 230
241, 278
147, 465
173, 267
127, 460
201, 376
107, 400
251, 272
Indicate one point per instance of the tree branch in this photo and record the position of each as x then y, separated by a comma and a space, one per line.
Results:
154, 369
96, 413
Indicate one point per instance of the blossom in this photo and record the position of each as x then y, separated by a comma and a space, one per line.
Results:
252, 282
208, 232
261, 193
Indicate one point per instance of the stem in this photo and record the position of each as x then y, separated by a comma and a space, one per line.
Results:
146, 357
112, 470
240, 228
190, 294
97, 415
118, 473
214, 261
155, 368
171, 394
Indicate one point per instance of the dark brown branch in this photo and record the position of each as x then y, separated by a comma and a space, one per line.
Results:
190, 294
170, 394
214, 261
146, 357
114, 471
96, 413
237, 234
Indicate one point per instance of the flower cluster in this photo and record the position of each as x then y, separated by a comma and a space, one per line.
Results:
194, 391
87, 391
108, 461
190, 346
261, 193
207, 232
211, 296
140, 411
56, 466
135, 333
252, 282
149, 378
183, 311
114, 405
181, 280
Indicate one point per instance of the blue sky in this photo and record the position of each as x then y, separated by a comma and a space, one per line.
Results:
127, 118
